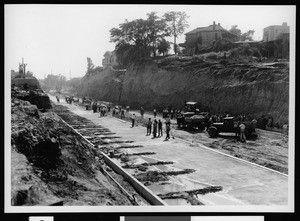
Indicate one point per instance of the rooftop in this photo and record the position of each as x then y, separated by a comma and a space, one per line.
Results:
213, 27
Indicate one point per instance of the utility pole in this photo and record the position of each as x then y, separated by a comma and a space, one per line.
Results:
23, 67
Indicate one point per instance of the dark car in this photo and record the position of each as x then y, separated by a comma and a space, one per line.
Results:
192, 118
231, 125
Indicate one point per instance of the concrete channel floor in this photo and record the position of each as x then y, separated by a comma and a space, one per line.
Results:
243, 183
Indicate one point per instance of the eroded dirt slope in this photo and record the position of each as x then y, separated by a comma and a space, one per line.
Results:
51, 164
221, 85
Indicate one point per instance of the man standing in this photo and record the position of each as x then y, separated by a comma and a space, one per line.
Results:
160, 133
87, 105
168, 120
242, 132
149, 125
154, 128
168, 131
94, 107
172, 113
142, 112
154, 113
122, 113
133, 120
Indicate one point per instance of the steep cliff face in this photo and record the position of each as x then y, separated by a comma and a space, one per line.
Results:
222, 86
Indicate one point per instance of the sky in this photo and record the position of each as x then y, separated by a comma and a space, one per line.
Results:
58, 39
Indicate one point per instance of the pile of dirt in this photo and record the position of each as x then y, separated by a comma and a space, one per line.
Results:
34, 96
191, 194
152, 176
52, 164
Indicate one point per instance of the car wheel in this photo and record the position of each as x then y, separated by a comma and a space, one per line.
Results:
212, 132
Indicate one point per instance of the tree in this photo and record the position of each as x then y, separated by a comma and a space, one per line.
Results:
176, 24
90, 65
235, 30
158, 29
247, 36
55, 81
136, 32
127, 53
136, 39
242, 36
74, 82
29, 74
163, 46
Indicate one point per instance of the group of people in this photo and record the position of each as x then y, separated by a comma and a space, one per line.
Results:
173, 113
156, 127
69, 99
96, 106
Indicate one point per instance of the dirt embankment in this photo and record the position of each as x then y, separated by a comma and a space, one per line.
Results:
51, 164
256, 88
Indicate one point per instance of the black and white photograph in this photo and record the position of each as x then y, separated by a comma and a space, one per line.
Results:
149, 108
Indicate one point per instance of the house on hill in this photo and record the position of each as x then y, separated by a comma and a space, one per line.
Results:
274, 32
277, 37
205, 37
110, 59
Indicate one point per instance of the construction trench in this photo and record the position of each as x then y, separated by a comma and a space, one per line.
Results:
70, 156
115, 152
182, 180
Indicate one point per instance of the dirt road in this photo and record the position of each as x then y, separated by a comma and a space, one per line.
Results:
243, 183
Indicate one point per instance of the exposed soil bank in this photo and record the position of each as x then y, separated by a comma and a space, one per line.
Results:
222, 86
51, 164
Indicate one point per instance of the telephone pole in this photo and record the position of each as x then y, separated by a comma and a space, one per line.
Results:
23, 68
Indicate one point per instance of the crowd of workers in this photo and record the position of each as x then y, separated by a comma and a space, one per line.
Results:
155, 126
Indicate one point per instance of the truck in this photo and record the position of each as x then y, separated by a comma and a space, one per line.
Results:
231, 125
192, 117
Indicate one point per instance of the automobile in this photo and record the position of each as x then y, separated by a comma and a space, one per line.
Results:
192, 117
231, 125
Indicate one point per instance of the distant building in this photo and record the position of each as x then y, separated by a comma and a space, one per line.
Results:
278, 39
274, 32
110, 59
205, 37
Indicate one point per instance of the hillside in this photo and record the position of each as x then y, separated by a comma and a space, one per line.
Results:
222, 85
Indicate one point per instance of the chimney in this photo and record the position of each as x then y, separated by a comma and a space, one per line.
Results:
284, 24
219, 24
214, 25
